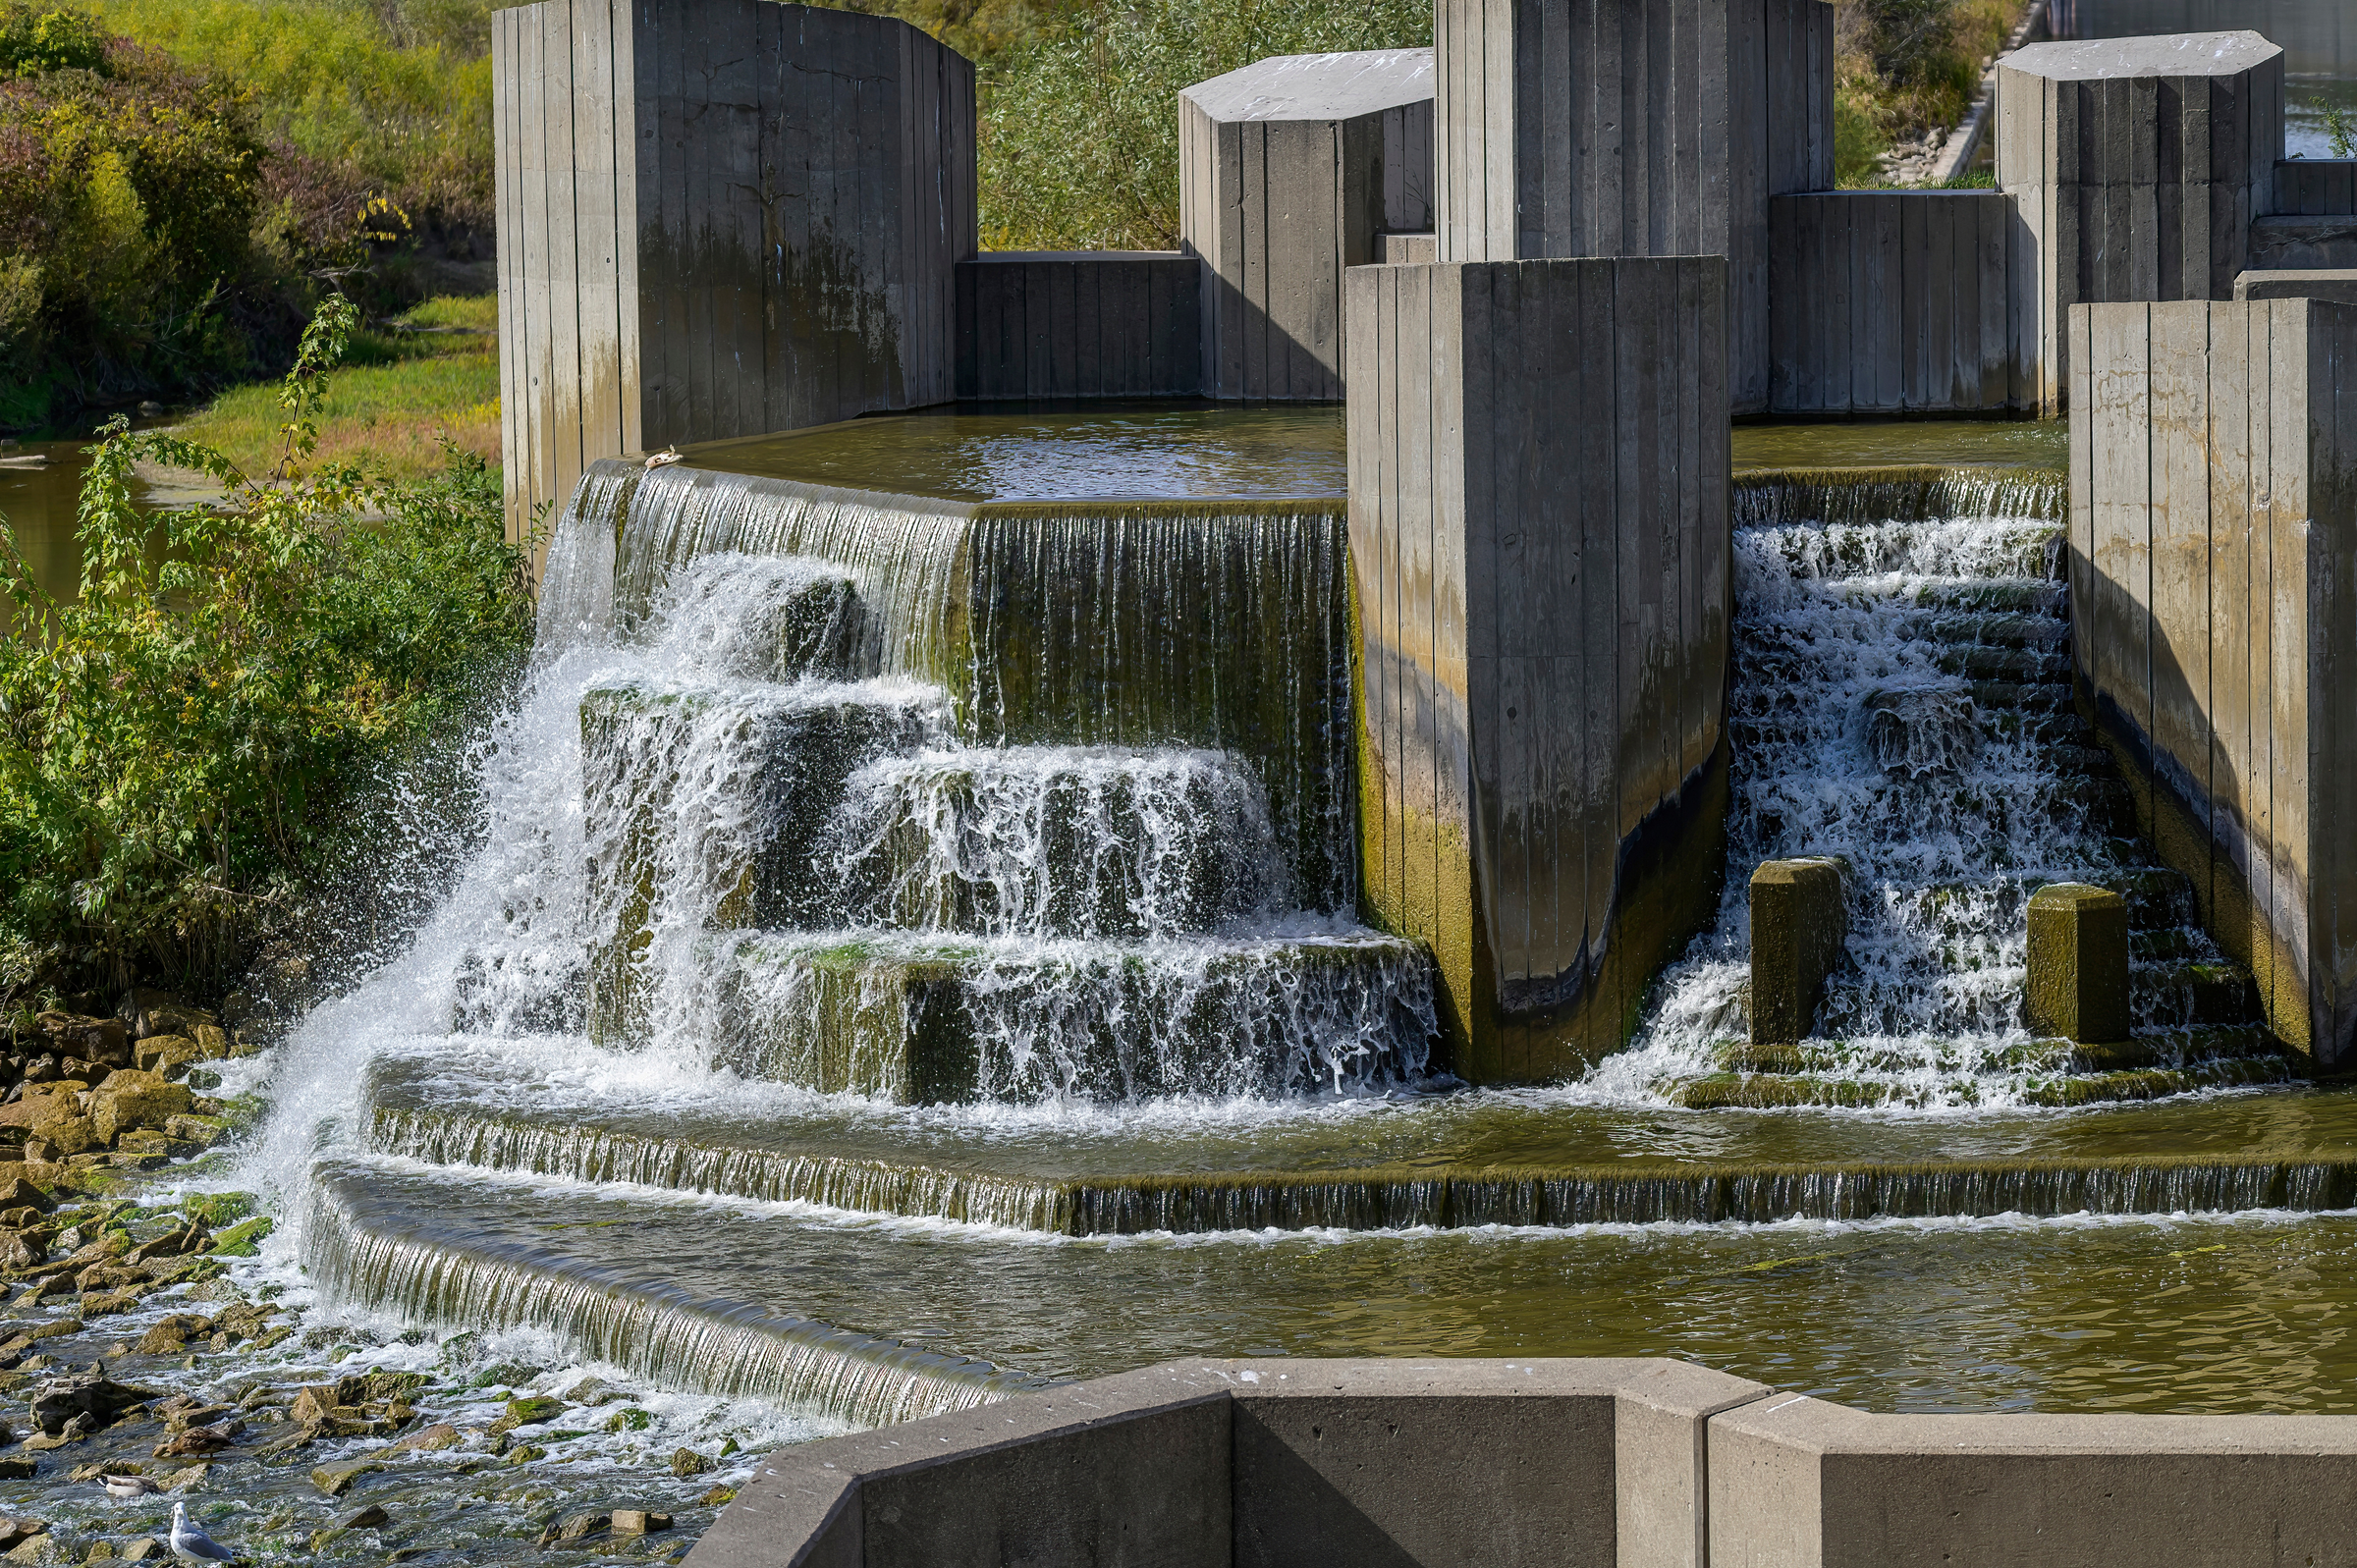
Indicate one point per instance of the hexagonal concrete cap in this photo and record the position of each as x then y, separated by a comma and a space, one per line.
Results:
1317, 86
2170, 54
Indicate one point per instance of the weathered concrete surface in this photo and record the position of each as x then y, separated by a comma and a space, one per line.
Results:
1409, 249
2317, 186
1634, 128
1891, 302
2279, 244
2316, 35
1798, 1482
717, 218
2338, 284
2078, 964
2214, 587
1079, 324
2137, 165
1289, 170
1539, 540
1799, 924
1380, 1464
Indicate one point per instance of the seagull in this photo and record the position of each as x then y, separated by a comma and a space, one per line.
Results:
125, 1487
666, 458
191, 1543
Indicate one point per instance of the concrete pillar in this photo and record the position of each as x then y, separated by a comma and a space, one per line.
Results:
1539, 541
1290, 171
1634, 128
2213, 554
717, 218
1800, 922
2078, 982
1893, 302
2137, 165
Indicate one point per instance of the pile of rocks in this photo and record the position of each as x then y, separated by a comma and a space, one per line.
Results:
85, 1093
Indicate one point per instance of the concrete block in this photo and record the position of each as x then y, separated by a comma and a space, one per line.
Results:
1410, 249
2338, 284
717, 218
1799, 925
1630, 128
1892, 301
1079, 324
2282, 242
2078, 980
2316, 186
2137, 166
1398, 1463
1799, 1482
2315, 36
2214, 568
1539, 538
1289, 170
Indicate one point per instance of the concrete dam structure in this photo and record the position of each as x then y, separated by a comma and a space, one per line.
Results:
1626, 858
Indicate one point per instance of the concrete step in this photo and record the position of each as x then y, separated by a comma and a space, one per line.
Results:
2191, 995
2011, 596
1991, 629
1740, 1090
2012, 665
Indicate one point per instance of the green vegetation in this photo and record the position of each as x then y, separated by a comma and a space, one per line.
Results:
180, 179
1079, 128
427, 377
1906, 67
174, 745
2340, 128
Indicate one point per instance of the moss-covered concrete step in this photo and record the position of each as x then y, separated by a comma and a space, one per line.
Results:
1387, 1195
2053, 729
2022, 697
1723, 1090
2044, 633
2000, 596
2176, 1048
2009, 665
2183, 995
925, 1020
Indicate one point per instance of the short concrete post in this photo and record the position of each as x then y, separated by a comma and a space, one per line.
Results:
2078, 988
1800, 921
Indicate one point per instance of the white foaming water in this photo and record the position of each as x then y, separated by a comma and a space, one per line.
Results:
1893, 704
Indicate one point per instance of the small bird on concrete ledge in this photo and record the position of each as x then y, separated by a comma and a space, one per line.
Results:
665, 458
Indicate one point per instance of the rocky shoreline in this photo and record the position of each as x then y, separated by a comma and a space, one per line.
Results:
161, 1358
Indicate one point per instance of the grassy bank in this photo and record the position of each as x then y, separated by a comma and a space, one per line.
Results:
431, 373
1903, 67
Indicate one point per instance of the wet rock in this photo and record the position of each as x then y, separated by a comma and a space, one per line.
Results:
200, 1132
574, 1527
19, 1469
187, 1477
688, 1462
365, 1517
160, 1013
145, 1550
16, 1532
102, 1040
335, 1479
106, 1303
241, 1240
132, 1098
17, 1193
201, 1441
74, 1430
428, 1439
170, 1336
718, 1496
589, 1391
638, 1522
59, 1400
529, 1411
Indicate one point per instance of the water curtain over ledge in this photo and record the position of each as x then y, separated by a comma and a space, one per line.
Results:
1214, 624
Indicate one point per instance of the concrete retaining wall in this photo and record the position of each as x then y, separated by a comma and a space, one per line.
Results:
1539, 536
1630, 128
1566, 1464
2138, 166
1289, 170
717, 218
2319, 37
1895, 302
2214, 585
1079, 324
2339, 284
2317, 185
2304, 242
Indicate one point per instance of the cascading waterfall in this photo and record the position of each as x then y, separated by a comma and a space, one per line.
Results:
1901, 701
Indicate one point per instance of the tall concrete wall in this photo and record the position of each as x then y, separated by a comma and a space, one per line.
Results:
1539, 536
2214, 584
1079, 324
2319, 37
2316, 186
719, 218
1598, 1463
2138, 165
1290, 171
1885, 302
1634, 128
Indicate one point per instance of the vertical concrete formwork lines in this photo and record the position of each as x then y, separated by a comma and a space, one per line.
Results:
2211, 528
1539, 541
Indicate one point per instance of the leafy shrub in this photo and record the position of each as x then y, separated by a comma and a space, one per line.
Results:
175, 743
1079, 131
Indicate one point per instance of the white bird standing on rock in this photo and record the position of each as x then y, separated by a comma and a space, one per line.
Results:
191, 1543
